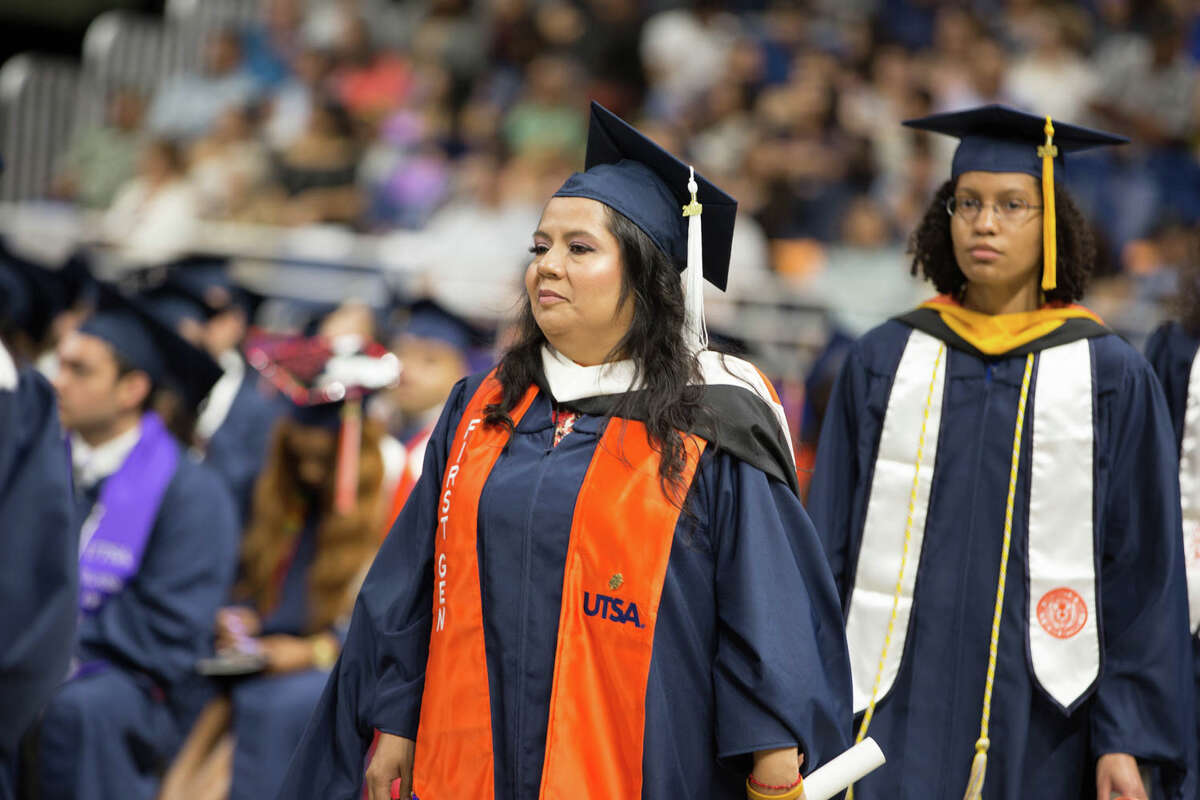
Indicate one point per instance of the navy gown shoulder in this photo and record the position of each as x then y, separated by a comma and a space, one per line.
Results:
39, 573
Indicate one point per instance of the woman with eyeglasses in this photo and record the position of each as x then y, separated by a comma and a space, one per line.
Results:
995, 490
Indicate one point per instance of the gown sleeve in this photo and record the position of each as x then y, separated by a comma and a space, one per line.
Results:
1144, 698
837, 472
379, 677
781, 673
161, 622
39, 572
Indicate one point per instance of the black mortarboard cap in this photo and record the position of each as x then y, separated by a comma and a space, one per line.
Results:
634, 176
32, 295
997, 138
326, 382
429, 319
145, 342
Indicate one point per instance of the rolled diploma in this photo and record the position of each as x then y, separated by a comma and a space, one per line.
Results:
852, 765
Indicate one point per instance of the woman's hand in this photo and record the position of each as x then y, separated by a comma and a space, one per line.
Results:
1118, 772
777, 768
234, 625
393, 760
286, 653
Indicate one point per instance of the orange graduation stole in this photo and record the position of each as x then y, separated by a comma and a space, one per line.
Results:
620, 543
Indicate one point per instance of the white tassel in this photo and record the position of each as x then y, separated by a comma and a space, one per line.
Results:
695, 329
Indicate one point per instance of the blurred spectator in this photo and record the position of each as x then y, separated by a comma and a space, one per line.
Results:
153, 218
272, 44
684, 51
314, 177
452, 35
549, 117
1053, 77
230, 164
291, 104
101, 158
610, 52
405, 173
806, 163
187, 105
369, 81
1147, 86
490, 231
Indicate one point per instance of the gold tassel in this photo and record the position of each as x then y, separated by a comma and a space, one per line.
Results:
1048, 152
978, 771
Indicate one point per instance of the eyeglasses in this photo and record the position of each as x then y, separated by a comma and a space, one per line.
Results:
1013, 211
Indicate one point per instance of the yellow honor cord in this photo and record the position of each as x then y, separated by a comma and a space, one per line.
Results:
908, 526
974, 788
1048, 152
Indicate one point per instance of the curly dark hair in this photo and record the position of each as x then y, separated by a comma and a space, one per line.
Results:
654, 342
932, 250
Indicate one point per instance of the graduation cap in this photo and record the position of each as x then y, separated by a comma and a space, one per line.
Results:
665, 198
996, 138
198, 289
145, 342
326, 381
429, 319
32, 295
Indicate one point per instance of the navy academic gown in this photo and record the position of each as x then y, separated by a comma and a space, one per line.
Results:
749, 651
928, 724
270, 712
1171, 351
110, 733
38, 573
238, 448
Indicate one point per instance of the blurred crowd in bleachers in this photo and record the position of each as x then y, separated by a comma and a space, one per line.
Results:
459, 117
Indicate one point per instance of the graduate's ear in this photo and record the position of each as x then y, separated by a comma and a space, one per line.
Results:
133, 390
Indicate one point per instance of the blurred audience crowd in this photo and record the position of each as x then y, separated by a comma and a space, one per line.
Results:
462, 121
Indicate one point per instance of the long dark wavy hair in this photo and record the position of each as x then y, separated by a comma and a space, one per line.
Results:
669, 372
1185, 304
932, 250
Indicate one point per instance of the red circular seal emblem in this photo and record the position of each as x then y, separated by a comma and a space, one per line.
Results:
1062, 612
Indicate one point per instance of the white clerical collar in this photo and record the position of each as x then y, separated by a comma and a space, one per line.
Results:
216, 406
569, 381
93, 464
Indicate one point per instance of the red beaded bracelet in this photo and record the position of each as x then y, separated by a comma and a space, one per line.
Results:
760, 785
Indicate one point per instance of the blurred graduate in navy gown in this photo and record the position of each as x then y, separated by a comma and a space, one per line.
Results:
234, 420
1172, 350
305, 551
157, 540
38, 576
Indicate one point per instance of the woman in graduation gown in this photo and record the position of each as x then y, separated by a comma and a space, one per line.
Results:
1172, 350
995, 489
603, 584
305, 551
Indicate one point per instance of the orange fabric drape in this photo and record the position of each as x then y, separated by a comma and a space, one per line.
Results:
620, 545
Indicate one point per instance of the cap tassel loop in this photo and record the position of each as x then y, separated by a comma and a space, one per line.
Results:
1048, 152
349, 446
695, 328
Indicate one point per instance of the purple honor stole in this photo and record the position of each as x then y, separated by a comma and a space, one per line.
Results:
114, 536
